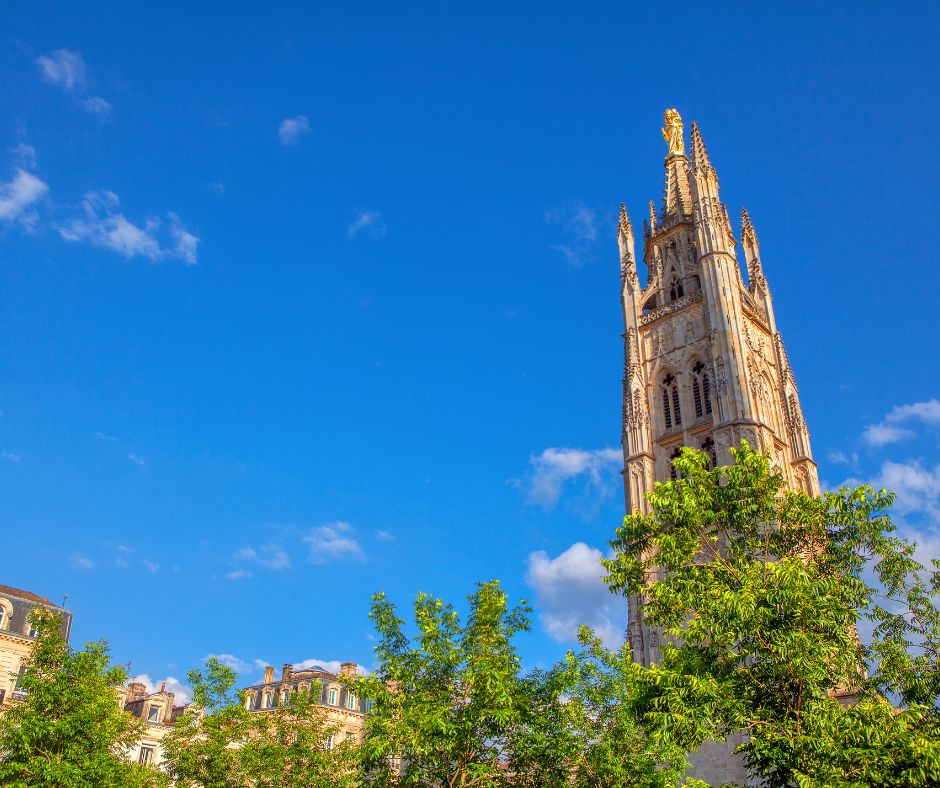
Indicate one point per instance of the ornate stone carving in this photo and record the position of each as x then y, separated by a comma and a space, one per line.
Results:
674, 306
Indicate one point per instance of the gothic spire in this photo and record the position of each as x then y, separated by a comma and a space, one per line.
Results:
652, 222
625, 227
748, 236
755, 271
700, 158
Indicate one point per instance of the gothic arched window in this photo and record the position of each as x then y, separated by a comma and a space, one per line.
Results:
701, 390
673, 473
672, 414
675, 288
708, 446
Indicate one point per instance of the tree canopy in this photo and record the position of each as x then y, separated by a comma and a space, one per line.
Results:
757, 593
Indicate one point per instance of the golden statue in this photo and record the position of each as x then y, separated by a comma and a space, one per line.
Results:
673, 133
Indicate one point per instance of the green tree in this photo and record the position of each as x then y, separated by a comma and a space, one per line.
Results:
757, 592
68, 730
218, 743
445, 704
292, 746
202, 750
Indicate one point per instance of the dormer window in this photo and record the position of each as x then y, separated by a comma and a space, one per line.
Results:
332, 696
153, 714
350, 701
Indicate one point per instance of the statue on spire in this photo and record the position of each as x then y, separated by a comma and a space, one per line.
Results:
673, 133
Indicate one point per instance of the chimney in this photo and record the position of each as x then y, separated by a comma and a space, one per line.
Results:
163, 688
268, 675
347, 670
171, 696
136, 691
286, 671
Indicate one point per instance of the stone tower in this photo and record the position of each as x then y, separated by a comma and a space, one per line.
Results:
704, 364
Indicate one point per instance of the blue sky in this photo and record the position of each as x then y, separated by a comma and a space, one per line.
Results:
299, 305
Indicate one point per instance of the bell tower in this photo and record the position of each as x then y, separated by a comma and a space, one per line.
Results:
704, 364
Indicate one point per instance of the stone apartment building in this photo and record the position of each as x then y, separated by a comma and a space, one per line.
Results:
344, 711
17, 635
158, 713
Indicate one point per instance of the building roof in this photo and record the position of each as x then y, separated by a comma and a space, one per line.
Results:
19, 592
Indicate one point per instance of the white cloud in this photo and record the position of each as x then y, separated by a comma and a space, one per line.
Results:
370, 221
136, 459
551, 469
841, 458
270, 556
385, 536
64, 68
183, 694
292, 129
11, 456
81, 562
150, 566
889, 429
579, 226
238, 574
18, 194
104, 226
917, 488
570, 592
333, 541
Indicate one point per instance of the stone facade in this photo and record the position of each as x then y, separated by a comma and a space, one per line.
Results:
344, 711
704, 363
17, 635
158, 713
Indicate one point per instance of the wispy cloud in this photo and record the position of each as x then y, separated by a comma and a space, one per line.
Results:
150, 566
578, 225
231, 661
66, 69
136, 459
570, 592
270, 556
367, 222
334, 541
79, 561
17, 195
103, 225
551, 470
384, 536
10, 456
24, 155
891, 429
293, 129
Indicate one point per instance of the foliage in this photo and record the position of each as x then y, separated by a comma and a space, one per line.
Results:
69, 730
202, 749
293, 746
583, 728
756, 593
445, 706
218, 743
